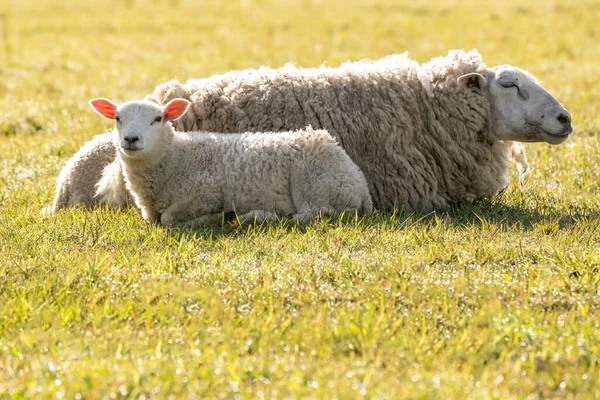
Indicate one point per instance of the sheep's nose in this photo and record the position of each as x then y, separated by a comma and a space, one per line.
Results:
564, 118
131, 139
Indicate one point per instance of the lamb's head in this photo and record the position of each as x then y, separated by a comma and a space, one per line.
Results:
140, 125
521, 109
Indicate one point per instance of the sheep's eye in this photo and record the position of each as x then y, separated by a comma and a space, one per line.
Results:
117, 119
508, 84
157, 119
522, 93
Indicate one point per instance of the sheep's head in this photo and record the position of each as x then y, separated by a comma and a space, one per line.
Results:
140, 124
521, 109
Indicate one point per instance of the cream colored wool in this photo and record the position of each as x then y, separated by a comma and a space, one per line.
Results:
76, 183
425, 136
179, 177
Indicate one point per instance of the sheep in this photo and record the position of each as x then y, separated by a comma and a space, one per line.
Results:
90, 178
76, 183
425, 136
179, 177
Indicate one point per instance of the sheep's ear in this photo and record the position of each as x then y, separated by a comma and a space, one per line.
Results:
175, 109
473, 80
104, 107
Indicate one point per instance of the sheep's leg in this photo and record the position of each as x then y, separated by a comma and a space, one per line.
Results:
189, 213
306, 213
149, 215
111, 187
304, 217
258, 215
203, 220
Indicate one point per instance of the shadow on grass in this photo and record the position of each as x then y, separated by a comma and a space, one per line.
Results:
458, 216
515, 216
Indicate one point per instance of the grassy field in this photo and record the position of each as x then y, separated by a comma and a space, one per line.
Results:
496, 300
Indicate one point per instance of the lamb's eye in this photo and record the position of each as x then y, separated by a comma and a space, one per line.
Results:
118, 119
157, 119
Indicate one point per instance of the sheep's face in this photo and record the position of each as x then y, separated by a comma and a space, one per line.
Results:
140, 124
521, 109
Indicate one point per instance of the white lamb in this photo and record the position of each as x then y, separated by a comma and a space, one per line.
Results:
76, 183
184, 177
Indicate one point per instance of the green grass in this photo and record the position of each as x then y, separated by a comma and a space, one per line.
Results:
494, 300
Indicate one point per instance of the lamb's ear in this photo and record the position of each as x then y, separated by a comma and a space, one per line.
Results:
175, 109
473, 80
104, 107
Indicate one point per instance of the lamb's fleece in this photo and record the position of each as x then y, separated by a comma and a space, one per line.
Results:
198, 174
421, 140
76, 183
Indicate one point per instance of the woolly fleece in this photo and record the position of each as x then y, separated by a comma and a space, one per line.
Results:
195, 174
421, 140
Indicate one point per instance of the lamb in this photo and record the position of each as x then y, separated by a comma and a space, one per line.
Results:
76, 183
425, 136
91, 178
179, 177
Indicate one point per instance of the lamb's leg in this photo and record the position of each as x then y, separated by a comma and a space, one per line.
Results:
149, 215
203, 220
190, 213
111, 187
306, 213
258, 215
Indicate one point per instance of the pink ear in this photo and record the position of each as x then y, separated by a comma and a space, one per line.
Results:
175, 109
104, 107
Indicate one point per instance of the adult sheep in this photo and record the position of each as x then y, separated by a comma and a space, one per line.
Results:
425, 136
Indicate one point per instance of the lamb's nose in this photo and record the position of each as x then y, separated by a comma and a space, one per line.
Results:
131, 139
564, 118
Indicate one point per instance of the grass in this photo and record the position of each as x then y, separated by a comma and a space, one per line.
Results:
494, 300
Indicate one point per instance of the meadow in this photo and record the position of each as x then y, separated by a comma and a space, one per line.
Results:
494, 300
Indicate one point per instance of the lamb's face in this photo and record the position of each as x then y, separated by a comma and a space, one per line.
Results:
140, 127
140, 124
521, 109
